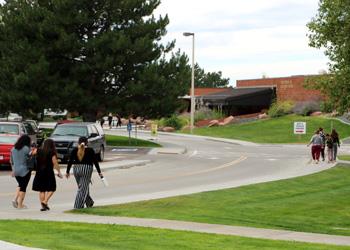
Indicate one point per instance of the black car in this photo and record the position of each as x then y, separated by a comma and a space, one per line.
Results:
66, 138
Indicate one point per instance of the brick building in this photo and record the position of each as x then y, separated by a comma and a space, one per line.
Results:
286, 88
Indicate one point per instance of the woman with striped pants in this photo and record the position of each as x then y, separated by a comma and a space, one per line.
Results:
83, 159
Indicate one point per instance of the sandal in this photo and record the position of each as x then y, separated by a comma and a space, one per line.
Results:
44, 206
15, 204
23, 207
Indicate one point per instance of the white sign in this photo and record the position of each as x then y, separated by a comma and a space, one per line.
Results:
299, 128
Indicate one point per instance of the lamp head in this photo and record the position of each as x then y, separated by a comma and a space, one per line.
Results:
188, 34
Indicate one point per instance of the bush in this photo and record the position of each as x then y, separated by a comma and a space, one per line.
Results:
326, 107
278, 109
173, 121
207, 114
306, 108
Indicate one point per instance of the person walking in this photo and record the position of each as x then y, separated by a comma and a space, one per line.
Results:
316, 141
323, 146
336, 143
329, 144
110, 119
44, 180
83, 159
119, 121
22, 157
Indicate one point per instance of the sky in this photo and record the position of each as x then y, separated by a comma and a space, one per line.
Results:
246, 39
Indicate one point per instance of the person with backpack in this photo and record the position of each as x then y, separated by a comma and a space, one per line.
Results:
323, 146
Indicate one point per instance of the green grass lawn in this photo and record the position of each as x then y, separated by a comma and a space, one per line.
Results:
344, 157
115, 140
316, 203
75, 236
277, 130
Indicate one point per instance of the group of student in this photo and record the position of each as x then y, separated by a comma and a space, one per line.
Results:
110, 120
26, 157
321, 142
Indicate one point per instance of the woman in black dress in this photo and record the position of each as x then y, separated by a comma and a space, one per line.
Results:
44, 180
83, 159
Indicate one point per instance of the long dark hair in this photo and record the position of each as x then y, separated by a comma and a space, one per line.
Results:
23, 140
334, 134
49, 147
45, 153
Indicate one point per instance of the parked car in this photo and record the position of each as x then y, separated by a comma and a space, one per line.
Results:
66, 138
39, 132
9, 133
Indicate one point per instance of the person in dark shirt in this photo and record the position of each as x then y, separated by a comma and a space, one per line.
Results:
336, 143
83, 159
44, 180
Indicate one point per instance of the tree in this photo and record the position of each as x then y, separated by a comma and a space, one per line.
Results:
79, 55
329, 29
210, 79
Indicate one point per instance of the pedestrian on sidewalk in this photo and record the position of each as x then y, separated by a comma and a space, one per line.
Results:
22, 160
110, 119
336, 144
329, 144
316, 141
83, 158
119, 121
44, 180
323, 146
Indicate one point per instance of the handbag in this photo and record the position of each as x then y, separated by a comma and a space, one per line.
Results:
31, 163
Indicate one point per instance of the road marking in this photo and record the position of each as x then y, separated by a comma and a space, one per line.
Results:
226, 165
213, 158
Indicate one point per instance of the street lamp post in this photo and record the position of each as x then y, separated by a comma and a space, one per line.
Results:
193, 105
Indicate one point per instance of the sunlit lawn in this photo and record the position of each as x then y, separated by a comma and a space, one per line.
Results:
316, 203
82, 236
276, 130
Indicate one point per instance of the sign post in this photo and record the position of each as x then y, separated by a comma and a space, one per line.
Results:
299, 129
154, 130
129, 128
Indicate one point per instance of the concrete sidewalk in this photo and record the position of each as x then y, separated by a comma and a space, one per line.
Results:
260, 233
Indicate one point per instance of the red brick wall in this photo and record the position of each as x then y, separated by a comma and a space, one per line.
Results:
287, 88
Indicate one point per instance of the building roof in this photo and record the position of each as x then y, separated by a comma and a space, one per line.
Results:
235, 94
207, 91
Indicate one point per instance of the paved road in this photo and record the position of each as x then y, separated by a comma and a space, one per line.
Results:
205, 164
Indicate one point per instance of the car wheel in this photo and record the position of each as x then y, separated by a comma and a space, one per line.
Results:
101, 154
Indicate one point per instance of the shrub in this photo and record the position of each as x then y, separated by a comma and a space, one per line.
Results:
326, 107
173, 121
280, 108
207, 114
306, 108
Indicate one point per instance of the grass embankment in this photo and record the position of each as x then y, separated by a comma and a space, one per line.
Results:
344, 157
64, 235
115, 140
276, 130
316, 203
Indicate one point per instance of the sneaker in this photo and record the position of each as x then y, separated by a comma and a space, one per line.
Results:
15, 204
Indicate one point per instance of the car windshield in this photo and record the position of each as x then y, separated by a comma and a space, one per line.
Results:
73, 130
8, 139
9, 129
